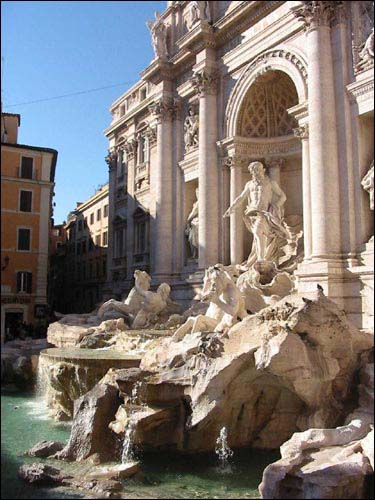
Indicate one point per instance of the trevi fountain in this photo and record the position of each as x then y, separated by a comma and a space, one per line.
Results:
257, 387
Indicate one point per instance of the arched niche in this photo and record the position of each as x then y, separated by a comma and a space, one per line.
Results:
283, 61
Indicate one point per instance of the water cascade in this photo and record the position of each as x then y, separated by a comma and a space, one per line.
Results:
222, 449
127, 447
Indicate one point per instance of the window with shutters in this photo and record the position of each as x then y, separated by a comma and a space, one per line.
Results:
92, 218
23, 240
105, 238
98, 214
27, 164
105, 210
26, 201
24, 281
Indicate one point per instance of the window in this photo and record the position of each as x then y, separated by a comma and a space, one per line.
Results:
105, 210
97, 240
80, 225
84, 246
25, 201
92, 218
105, 238
143, 93
24, 281
24, 239
27, 167
119, 246
56, 232
98, 214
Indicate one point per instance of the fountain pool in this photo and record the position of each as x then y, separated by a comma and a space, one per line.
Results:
24, 424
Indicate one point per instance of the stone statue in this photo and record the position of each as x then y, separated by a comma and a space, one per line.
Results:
158, 32
153, 303
263, 217
368, 184
192, 228
191, 126
226, 305
366, 55
133, 301
198, 11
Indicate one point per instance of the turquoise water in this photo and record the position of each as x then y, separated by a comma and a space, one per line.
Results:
24, 423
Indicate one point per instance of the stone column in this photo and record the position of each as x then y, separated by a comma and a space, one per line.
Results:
162, 244
130, 147
302, 133
324, 171
236, 222
111, 160
205, 83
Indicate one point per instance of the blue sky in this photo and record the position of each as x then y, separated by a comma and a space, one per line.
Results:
54, 48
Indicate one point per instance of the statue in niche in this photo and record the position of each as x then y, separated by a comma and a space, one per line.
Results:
368, 184
192, 225
263, 215
366, 55
191, 126
266, 275
158, 32
198, 11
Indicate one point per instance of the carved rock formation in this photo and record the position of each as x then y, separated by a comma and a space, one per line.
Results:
285, 369
92, 414
328, 463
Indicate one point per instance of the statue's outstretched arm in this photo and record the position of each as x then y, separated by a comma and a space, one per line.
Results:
237, 202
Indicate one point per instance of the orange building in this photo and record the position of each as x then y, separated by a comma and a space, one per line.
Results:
27, 182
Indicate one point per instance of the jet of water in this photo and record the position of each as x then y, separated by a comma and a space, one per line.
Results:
222, 449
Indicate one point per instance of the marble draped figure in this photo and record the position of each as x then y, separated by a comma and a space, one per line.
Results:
191, 230
263, 217
158, 32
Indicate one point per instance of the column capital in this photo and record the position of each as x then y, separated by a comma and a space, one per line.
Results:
163, 110
111, 159
235, 161
316, 14
302, 132
205, 82
130, 148
150, 133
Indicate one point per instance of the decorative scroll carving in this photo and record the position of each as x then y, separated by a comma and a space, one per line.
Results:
111, 159
162, 110
191, 129
318, 13
205, 82
302, 132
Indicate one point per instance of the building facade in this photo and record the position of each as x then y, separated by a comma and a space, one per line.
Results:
57, 298
86, 253
289, 84
27, 182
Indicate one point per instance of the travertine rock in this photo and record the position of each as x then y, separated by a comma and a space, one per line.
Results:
92, 414
45, 448
328, 463
42, 474
287, 368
